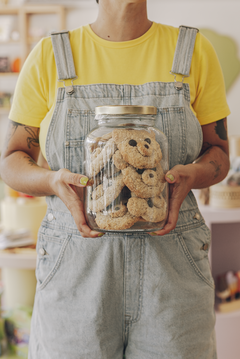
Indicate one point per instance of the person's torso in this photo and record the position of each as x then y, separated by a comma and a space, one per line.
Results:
74, 118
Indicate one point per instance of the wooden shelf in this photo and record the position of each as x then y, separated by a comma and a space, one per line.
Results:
9, 73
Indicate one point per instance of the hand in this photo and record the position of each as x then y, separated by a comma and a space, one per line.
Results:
69, 187
180, 179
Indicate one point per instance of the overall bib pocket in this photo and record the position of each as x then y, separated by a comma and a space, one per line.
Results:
50, 252
78, 125
195, 245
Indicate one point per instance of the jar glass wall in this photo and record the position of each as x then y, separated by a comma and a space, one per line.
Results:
126, 159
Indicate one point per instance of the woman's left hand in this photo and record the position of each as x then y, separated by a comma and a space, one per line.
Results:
180, 179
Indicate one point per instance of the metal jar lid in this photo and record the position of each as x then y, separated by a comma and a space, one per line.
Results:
125, 110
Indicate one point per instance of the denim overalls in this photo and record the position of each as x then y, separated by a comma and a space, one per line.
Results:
134, 294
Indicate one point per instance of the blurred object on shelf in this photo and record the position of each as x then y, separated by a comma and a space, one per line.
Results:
234, 146
226, 194
228, 292
16, 65
6, 22
17, 329
17, 238
3, 2
19, 287
222, 196
23, 213
5, 100
204, 196
4, 64
9, 192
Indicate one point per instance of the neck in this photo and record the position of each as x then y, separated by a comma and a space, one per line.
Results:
121, 20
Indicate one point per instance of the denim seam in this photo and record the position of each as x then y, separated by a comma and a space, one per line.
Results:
192, 262
140, 284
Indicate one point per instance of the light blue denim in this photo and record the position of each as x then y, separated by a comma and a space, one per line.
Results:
134, 294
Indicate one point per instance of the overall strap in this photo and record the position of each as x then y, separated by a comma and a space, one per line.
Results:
63, 55
184, 51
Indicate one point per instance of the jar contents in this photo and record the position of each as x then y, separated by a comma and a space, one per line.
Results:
127, 184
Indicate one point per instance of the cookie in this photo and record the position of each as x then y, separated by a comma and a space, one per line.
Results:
119, 223
133, 179
146, 208
138, 148
119, 161
101, 159
119, 210
110, 190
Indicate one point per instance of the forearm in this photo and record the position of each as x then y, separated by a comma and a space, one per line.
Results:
209, 169
20, 172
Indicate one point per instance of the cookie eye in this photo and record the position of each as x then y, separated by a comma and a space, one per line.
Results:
151, 175
150, 204
132, 143
146, 146
148, 140
140, 171
117, 208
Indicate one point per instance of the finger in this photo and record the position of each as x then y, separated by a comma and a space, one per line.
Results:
76, 179
172, 176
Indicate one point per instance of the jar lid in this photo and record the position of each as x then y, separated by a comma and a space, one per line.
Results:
125, 110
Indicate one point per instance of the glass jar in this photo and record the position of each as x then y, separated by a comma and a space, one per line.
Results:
126, 159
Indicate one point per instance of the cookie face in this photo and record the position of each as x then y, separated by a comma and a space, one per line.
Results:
138, 148
133, 179
147, 209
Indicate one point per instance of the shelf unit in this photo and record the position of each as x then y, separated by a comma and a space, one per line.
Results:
224, 256
25, 42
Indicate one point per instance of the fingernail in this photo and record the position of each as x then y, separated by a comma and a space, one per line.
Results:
170, 177
153, 234
101, 234
83, 181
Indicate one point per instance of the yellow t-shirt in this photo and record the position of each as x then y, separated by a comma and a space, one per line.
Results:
148, 58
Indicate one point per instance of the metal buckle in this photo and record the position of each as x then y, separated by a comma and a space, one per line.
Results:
69, 89
177, 84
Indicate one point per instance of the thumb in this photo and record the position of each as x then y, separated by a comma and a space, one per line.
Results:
172, 176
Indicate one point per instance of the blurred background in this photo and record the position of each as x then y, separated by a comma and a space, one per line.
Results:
22, 25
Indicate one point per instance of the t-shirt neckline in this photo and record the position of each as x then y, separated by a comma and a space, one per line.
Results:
121, 44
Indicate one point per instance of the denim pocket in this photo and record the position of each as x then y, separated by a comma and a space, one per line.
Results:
195, 244
50, 250
78, 125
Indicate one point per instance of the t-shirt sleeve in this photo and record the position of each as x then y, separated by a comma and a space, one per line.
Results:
30, 103
210, 102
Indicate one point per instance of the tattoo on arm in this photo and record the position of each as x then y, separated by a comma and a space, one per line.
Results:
217, 168
32, 139
31, 161
221, 130
205, 148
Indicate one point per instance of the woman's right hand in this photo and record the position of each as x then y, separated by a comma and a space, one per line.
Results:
69, 187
